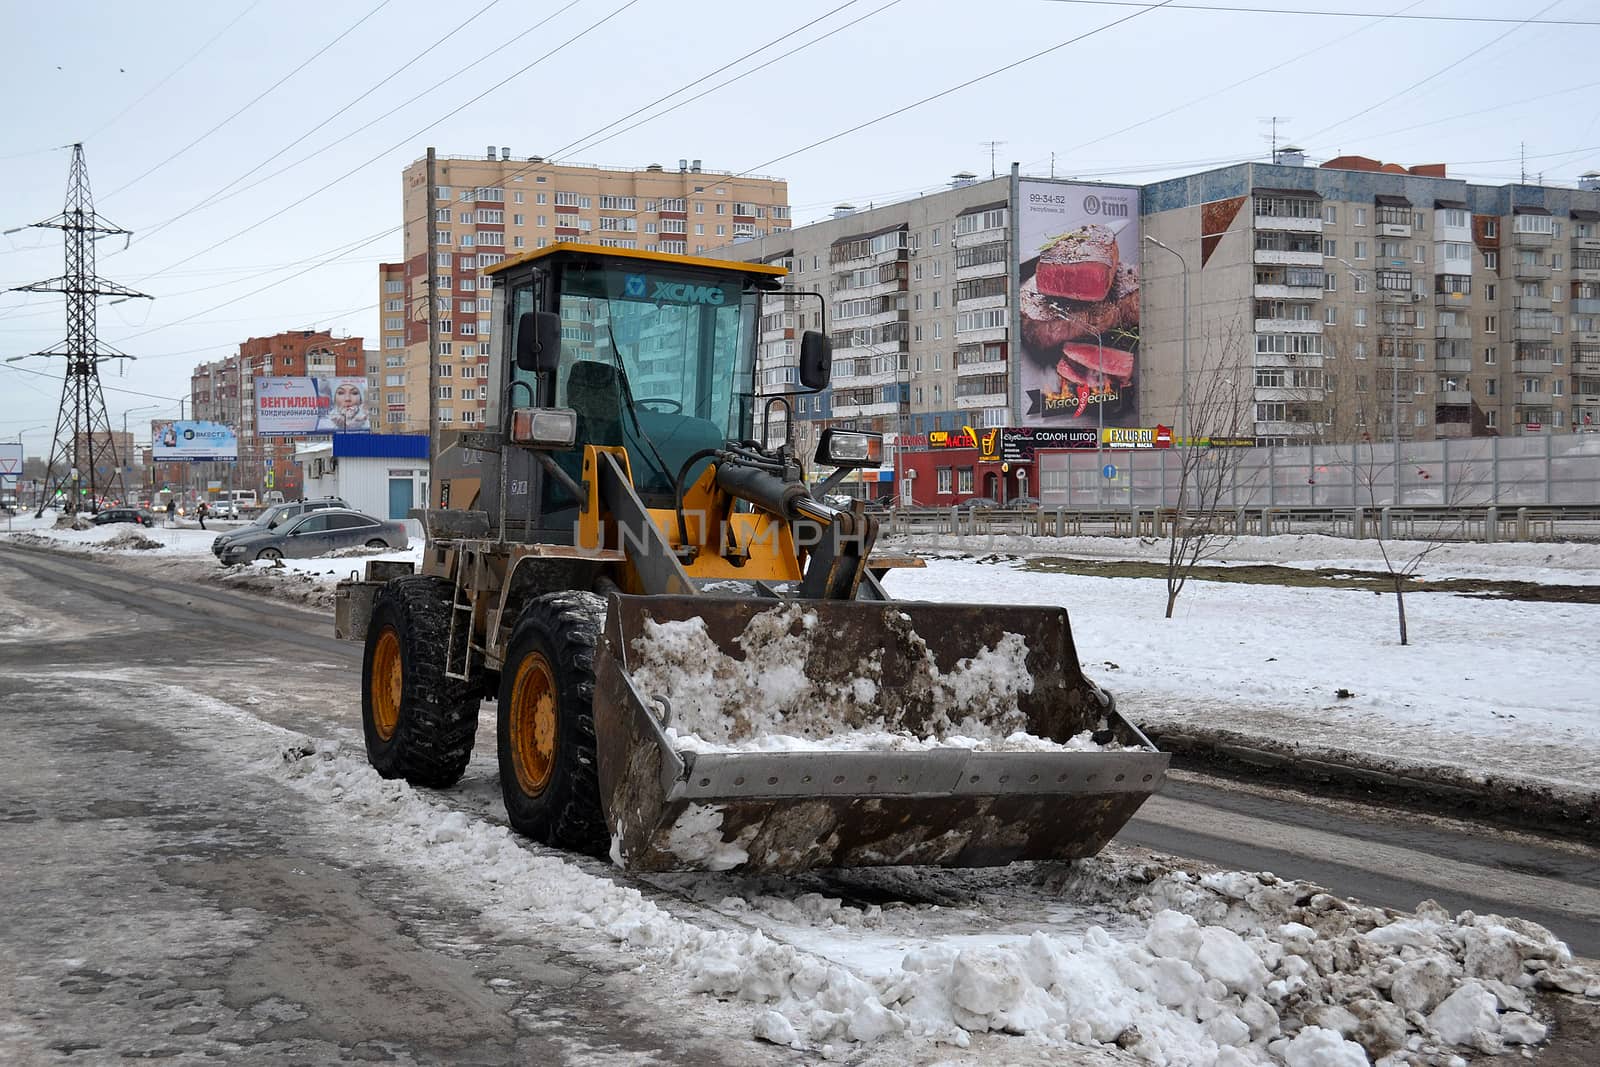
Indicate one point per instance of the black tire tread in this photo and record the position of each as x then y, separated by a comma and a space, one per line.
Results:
433, 740
570, 814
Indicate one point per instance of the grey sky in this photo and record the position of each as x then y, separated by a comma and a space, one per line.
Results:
93, 71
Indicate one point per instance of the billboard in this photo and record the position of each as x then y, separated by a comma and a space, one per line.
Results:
1078, 247
175, 442
298, 407
10, 464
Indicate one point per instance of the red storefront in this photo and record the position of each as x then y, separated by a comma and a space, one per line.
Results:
949, 466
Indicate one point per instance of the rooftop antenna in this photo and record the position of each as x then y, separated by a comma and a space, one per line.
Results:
991, 146
1523, 146
1273, 122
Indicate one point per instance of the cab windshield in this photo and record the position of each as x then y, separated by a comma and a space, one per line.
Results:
657, 359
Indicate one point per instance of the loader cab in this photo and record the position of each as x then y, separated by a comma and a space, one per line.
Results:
656, 356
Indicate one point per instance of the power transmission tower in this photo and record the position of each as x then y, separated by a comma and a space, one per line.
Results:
83, 458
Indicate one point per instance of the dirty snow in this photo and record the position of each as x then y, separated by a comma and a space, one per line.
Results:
767, 700
1171, 965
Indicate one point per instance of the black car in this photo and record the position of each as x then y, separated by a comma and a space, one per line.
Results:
137, 516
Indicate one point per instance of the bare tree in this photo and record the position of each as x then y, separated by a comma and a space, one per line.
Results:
1209, 485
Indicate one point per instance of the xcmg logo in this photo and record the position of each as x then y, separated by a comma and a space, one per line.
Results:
683, 293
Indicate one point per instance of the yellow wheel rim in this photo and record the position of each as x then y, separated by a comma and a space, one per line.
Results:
385, 684
533, 723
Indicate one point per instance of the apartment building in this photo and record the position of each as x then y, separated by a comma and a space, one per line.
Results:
485, 208
224, 391
931, 347
1361, 300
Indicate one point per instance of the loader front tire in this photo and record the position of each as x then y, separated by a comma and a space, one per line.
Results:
546, 723
419, 725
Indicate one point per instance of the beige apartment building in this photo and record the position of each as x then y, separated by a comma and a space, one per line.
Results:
483, 209
1359, 300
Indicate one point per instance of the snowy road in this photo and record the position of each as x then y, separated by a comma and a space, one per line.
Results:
172, 890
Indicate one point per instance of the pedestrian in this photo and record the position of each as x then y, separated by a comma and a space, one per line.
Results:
172, 513
201, 513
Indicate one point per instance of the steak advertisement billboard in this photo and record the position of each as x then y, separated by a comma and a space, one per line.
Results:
1079, 252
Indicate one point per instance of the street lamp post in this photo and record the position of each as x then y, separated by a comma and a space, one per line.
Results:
1183, 392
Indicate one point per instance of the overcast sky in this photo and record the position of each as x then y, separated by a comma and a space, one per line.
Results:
183, 107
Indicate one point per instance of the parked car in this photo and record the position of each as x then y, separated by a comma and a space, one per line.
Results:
223, 509
321, 531
1023, 503
979, 503
275, 516
137, 516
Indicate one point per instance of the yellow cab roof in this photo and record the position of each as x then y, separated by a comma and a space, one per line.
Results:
669, 258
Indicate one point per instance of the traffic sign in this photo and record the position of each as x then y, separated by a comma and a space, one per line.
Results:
1109, 470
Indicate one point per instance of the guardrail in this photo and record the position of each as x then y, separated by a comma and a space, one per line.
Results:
1482, 524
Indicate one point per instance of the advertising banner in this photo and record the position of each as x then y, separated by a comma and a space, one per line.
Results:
175, 442
299, 407
1078, 247
10, 464
1018, 443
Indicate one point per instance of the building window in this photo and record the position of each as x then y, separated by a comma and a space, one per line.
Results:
1491, 261
964, 479
944, 477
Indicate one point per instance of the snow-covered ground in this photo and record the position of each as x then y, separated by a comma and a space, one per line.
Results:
1122, 959
1494, 687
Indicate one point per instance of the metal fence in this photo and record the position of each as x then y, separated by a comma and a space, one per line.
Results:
1454, 472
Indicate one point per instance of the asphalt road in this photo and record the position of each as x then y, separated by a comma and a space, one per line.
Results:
163, 898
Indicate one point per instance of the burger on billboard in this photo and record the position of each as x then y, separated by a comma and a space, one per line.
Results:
1079, 252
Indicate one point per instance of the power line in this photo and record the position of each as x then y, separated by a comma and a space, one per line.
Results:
106, 388
1441, 71
113, 120
1323, 13
253, 100
213, 197
1191, 102
373, 159
1146, 9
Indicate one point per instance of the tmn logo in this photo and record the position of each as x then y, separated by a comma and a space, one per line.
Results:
1115, 209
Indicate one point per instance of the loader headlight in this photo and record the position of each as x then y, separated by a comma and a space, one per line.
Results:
847, 448
552, 428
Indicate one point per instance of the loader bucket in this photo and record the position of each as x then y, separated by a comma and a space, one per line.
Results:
738, 806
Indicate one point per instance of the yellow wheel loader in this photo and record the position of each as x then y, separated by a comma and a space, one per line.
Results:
620, 491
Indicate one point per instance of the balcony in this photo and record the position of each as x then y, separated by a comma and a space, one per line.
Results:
1288, 326
1541, 399
864, 411
1453, 364
1288, 292
1287, 359
1280, 257
1393, 229
1287, 429
1586, 244
1532, 366
862, 381
1585, 274
1584, 306
1520, 332
1452, 301
991, 366
1530, 272
1290, 394
981, 400
1293, 225
980, 303
983, 270
1530, 239
1586, 360
1453, 398
1585, 337
1452, 429
1532, 303
1461, 331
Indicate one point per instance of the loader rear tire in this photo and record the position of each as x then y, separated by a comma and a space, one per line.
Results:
419, 725
546, 723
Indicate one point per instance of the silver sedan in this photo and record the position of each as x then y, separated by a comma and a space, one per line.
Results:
315, 534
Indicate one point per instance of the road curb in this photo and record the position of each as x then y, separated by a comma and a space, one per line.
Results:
1446, 790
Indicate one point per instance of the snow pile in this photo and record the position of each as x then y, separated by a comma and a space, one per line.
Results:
130, 539
769, 698
1218, 969
73, 522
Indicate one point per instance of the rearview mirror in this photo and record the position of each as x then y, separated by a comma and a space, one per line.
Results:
816, 360
538, 341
